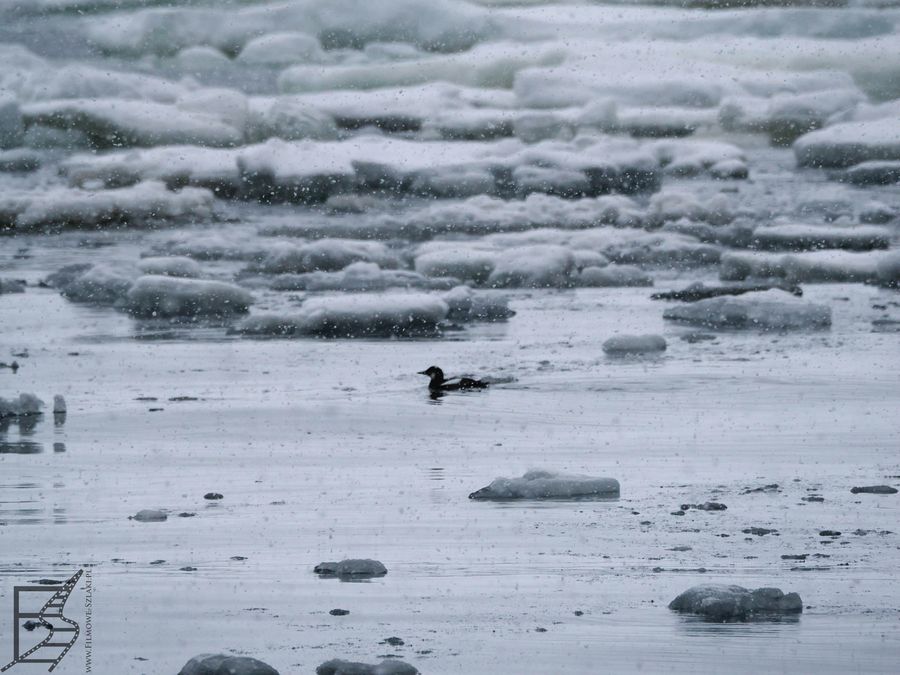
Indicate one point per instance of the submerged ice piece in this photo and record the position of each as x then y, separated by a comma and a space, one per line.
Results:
719, 602
548, 485
225, 664
352, 567
386, 667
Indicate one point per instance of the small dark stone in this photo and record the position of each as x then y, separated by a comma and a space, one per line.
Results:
186, 514
178, 399
339, 612
157, 562
187, 568
392, 641
238, 557
578, 612
212, 495
874, 490
759, 531
794, 556
46, 582
813, 498
772, 487
829, 533
677, 513
706, 506
539, 629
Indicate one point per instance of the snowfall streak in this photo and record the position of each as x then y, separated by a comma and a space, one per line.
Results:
52, 609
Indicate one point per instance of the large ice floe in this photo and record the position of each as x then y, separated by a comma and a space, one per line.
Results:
540, 484
24, 404
718, 602
764, 310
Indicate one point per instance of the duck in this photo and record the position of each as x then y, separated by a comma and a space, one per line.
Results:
440, 383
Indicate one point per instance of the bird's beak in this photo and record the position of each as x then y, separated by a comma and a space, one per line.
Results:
421, 372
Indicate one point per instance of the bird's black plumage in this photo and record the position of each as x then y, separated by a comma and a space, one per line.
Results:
440, 383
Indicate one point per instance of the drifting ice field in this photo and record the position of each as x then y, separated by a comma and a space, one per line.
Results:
232, 233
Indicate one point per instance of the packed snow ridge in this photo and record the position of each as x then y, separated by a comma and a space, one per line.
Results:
539, 484
723, 603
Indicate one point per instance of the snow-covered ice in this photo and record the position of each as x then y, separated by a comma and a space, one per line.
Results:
763, 310
156, 296
540, 484
352, 567
719, 602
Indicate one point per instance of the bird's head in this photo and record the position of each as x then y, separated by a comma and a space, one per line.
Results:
435, 373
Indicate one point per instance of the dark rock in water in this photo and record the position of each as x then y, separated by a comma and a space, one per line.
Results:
393, 642
355, 567
186, 514
47, 582
540, 629
149, 516
386, 667
238, 557
677, 513
31, 625
157, 562
795, 556
874, 490
339, 612
181, 399
540, 484
578, 612
772, 487
187, 568
706, 506
829, 533
718, 602
212, 495
759, 531
813, 498
222, 664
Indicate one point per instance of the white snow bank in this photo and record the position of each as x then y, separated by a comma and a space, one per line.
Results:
735, 603
806, 237
134, 205
634, 344
849, 143
352, 567
467, 305
767, 310
538, 484
174, 266
25, 404
116, 123
358, 277
363, 315
326, 255
612, 276
828, 266
386, 667
101, 284
154, 296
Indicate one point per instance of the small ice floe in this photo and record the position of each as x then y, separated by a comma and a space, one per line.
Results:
154, 296
359, 277
25, 404
871, 173
324, 255
171, 266
59, 405
100, 284
811, 237
149, 516
613, 276
225, 664
466, 305
824, 266
634, 344
874, 490
766, 310
386, 667
539, 484
700, 291
888, 270
357, 568
354, 315
849, 143
705, 506
719, 602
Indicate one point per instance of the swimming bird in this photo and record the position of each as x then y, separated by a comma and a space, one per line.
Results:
439, 383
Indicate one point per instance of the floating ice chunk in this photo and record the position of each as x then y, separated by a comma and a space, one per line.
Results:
352, 567
154, 296
663, 121
100, 284
114, 123
386, 667
842, 145
289, 118
12, 286
734, 603
327, 255
281, 49
888, 269
358, 276
349, 316
12, 130
700, 291
135, 205
694, 157
675, 205
805, 237
25, 404
174, 266
613, 275
634, 344
766, 310
225, 664
225, 105
464, 263
467, 305
537, 484
150, 516
194, 59
871, 173
59, 404
20, 160
815, 267
533, 267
